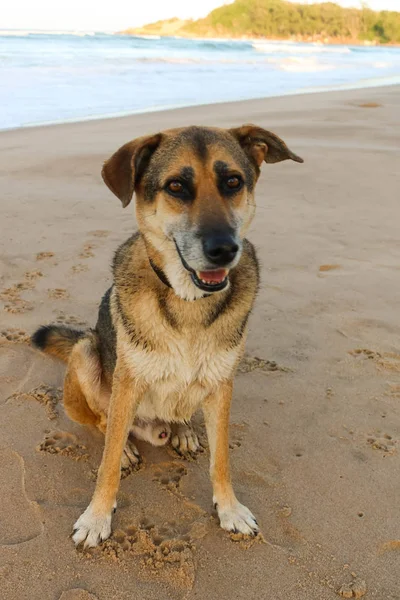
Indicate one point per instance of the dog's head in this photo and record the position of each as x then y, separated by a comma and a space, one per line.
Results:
194, 197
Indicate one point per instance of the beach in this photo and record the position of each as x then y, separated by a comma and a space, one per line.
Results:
315, 423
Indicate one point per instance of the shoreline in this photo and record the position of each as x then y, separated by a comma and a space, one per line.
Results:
363, 84
317, 42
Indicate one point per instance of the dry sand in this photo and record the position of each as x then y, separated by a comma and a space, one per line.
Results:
314, 436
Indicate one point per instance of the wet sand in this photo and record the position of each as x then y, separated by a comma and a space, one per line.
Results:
315, 422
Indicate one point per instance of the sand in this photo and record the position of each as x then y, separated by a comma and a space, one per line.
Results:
316, 413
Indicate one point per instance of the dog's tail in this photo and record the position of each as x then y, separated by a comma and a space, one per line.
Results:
57, 340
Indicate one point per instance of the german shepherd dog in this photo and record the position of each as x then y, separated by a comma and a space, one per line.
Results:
172, 327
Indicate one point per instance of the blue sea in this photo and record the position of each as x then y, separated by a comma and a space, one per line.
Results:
59, 77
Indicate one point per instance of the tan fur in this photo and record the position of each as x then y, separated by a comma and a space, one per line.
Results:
176, 347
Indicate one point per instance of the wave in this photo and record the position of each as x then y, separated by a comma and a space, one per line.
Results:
310, 48
147, 37
295, 64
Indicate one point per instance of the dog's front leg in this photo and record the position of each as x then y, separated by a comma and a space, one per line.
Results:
94, 525
233, 516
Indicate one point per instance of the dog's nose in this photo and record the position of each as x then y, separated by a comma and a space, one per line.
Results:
220, 249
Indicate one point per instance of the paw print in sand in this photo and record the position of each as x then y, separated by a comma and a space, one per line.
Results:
15, 336
166, 550
384, 443
170, 476
63, 443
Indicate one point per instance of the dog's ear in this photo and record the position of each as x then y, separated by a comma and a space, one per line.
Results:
124, 170
262, 145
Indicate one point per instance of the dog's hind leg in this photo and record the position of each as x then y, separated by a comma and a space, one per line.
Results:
86, 399
82, 384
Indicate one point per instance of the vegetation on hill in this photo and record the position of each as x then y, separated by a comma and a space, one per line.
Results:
278, 19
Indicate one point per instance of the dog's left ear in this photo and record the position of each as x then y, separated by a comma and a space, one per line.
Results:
124, 170
262, 145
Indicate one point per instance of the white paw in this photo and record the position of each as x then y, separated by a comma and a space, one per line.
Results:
184, 440
237, 519
91, 529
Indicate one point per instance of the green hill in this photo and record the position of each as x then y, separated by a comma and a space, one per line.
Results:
277, 19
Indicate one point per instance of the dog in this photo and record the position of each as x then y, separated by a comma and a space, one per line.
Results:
171, 330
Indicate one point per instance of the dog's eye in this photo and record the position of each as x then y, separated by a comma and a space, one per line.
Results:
175, 187
234, 182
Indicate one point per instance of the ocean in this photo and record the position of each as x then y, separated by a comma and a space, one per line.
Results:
60, 77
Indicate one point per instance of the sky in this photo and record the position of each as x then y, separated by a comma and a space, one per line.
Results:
95, 15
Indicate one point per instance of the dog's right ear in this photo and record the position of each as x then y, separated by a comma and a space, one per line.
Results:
124, 170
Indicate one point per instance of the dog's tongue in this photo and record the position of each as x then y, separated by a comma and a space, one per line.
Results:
213, 276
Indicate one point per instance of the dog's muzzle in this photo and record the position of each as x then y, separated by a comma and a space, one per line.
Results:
220, 251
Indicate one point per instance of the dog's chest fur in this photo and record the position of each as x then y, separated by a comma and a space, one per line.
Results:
180, 351
181, 376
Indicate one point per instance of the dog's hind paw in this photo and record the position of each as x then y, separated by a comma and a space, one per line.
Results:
131, 459
237, 518
91, 529
184, 440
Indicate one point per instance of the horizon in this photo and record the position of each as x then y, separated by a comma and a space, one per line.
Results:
83, 16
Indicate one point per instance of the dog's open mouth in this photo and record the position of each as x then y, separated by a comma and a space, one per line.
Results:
208, 281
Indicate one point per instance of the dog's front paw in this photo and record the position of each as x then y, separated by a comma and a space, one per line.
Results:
237, 518
91, 529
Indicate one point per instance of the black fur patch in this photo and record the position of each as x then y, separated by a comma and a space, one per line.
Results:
160, 274
41, 338
106, 333
199, 140
249, 248
143, 158
221, 307
167, 314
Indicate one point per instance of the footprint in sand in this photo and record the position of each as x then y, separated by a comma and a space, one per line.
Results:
87, 251
237, 432
33, 275
63, 443
394, 390
69, 319
20, 517
355, 589
44, 255
77, 594
387, 361
80, 268
15, 336
385, 443
169, 475
166, 550
46, 395
253, 363
100, 233
18, 307
58, 294
13, 303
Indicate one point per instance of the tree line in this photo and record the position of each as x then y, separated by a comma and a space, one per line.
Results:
280, 19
